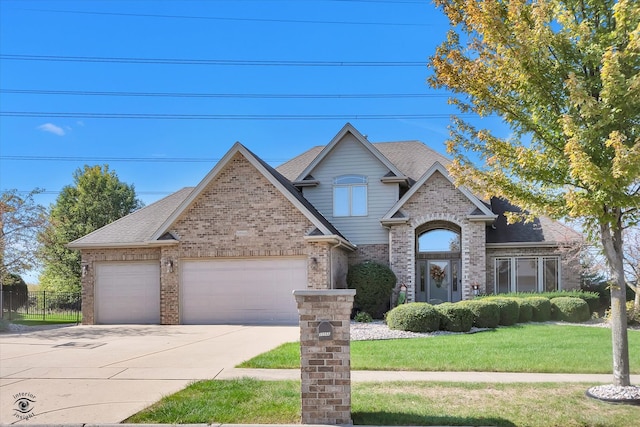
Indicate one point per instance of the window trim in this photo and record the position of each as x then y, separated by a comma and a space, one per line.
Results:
540, 276
350, 182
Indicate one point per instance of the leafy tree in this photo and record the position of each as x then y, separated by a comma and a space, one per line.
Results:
564, 76
96, 198
21, 218
15, 292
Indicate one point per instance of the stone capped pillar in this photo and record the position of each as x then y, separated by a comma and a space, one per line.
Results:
325, 355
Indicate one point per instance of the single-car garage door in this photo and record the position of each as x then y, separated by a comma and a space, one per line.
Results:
242, 290
127, 292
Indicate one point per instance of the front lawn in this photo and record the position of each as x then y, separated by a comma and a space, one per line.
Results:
247, 401
522, 348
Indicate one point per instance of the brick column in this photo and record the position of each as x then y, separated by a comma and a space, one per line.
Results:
325, 355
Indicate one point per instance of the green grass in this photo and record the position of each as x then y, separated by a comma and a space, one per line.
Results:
397, 403
47, 319
521, 348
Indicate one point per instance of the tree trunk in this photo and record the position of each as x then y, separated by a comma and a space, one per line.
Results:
612, 244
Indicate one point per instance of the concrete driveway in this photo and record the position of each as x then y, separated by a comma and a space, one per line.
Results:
104, 374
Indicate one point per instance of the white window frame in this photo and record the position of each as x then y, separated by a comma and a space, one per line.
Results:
540, 285
349, 182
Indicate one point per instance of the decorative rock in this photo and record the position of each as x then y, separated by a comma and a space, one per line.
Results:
615, 394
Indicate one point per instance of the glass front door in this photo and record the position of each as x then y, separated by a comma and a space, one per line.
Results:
438, 281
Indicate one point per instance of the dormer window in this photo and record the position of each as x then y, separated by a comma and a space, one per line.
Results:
350, 195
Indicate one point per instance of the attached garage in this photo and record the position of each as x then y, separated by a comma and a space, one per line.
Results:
127, 293
246, 291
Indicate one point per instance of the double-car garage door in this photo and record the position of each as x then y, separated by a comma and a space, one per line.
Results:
211, 291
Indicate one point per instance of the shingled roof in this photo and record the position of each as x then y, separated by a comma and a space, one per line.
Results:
412, 158
137, 228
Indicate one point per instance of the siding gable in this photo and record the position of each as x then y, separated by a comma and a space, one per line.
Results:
348, 157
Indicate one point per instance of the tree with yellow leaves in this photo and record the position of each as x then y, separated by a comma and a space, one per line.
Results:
565, 76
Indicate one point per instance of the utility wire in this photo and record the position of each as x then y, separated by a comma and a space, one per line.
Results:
220, 18
226, 62
116, 159
157, 116
224, 95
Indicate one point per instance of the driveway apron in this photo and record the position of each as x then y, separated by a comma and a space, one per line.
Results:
104, 374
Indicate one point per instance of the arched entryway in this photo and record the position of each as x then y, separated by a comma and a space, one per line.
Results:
438, 262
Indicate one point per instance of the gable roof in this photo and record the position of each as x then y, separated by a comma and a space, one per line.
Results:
541, 231
411, 158
347, 128
137, 228
274, 177
151, 225
481, 211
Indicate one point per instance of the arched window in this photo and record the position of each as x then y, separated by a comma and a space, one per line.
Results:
439, 240
350, 195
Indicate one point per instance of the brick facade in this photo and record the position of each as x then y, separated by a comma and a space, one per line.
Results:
373, 252
240, 214
438, 201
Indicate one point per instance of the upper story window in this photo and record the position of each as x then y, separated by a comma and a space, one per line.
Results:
350, 195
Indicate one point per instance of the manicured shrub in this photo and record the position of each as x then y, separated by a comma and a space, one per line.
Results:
541, 309
455, 317
591, 298
486, 314
509, 310
374, 284
570, 309
526, 310
363, 317
414, 317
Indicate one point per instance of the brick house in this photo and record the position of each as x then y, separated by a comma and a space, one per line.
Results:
233, 248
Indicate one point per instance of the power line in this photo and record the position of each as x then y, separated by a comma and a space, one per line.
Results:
158, 116
224, 95
115, 159
221, 18
224, 62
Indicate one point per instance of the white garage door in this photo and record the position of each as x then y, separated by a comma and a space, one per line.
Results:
127, 293
242, 291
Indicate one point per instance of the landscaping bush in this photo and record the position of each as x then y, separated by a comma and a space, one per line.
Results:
570, 309
455, 317
633, 318
414, 317
374, 284
363, 317
541, 309
526, 310
591, 298
486, 314
509, 310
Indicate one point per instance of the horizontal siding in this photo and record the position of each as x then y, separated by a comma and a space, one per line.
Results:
350, 157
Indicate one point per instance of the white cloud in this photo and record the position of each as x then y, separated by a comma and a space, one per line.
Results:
51, 128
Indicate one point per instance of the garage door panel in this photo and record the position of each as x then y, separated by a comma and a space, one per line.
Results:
127, 293
241, 291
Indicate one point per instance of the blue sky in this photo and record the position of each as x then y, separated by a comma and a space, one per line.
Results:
53, 66
80, 79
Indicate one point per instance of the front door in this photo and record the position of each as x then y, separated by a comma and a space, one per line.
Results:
438, 281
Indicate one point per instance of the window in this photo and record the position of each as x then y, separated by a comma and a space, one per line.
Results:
350, 195
439, 240
527, 274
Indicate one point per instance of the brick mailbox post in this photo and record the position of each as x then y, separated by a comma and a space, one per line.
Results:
325, 355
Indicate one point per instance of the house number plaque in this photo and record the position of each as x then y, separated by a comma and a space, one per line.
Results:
325, 331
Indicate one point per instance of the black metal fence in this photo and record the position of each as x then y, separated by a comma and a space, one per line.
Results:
42, 306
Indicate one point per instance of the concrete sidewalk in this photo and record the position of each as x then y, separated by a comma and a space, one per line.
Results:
474, 377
